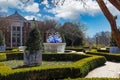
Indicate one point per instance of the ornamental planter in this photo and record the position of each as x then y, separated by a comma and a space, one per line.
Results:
54, 47
114, 49
32, 59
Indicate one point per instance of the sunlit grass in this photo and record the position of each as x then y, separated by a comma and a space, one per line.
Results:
17, 63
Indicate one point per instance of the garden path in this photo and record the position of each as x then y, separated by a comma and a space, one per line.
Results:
110, 70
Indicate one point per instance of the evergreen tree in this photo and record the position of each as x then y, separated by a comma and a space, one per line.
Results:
34, 41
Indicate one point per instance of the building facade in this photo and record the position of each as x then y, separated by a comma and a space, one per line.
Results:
17, 31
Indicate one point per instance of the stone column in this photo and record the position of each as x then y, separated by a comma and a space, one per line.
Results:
21, 42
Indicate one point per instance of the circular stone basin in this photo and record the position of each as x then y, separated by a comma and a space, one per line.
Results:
54, 47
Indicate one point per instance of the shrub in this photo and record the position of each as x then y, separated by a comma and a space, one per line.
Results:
3, 57
78, 69
62, 57
75, 49
108, 56
34, 41
46, 57
14, 56
1, 64
107, 51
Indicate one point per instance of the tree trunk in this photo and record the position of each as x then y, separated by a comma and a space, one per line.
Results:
111, 19
115, 3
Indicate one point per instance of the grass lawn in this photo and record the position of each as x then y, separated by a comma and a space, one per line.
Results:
18, 63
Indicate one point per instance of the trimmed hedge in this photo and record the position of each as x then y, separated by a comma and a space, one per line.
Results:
108, 56
75, 49
78, 69
99, 50
62, 57
3, 57
1, 64
45, 57
14, 56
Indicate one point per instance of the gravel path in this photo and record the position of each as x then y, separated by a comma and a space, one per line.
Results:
110, 70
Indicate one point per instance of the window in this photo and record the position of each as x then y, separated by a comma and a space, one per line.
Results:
13, 40
14, 28
18, 28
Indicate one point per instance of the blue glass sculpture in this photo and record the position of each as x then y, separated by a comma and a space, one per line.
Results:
54, 38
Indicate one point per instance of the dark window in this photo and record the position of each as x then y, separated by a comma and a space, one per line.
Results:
18, 28
14, 28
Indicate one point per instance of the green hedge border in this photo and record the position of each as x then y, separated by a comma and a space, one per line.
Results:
3, 57
79, 68
75, 49
99, 50
108, 56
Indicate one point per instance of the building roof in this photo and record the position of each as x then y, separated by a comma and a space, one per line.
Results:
16, 16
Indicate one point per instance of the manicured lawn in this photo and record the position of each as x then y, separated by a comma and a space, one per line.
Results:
18, 63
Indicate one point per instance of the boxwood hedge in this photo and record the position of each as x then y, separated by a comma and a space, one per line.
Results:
3, 57
108, 56
99, 50
78, 69
75, 49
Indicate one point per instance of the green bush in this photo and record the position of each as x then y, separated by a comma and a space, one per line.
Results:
75, 49
62, 57
108, 56
1, 64
11, 55
3, 57
34, 41
46, 57
78, 69
107, 51
14, 56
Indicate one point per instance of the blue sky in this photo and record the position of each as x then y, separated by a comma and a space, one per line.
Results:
72, 10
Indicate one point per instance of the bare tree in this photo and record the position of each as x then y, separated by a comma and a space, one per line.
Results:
72, 32
5, 27
102, 38
46, 25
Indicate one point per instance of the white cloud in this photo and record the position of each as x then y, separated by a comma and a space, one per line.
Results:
31, 17
32, 8
72, 9
48, 17
39, 15
5, 4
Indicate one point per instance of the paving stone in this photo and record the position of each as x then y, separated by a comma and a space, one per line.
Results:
110, 70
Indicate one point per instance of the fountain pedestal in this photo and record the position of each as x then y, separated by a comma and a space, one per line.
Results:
54, 47
114, 49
